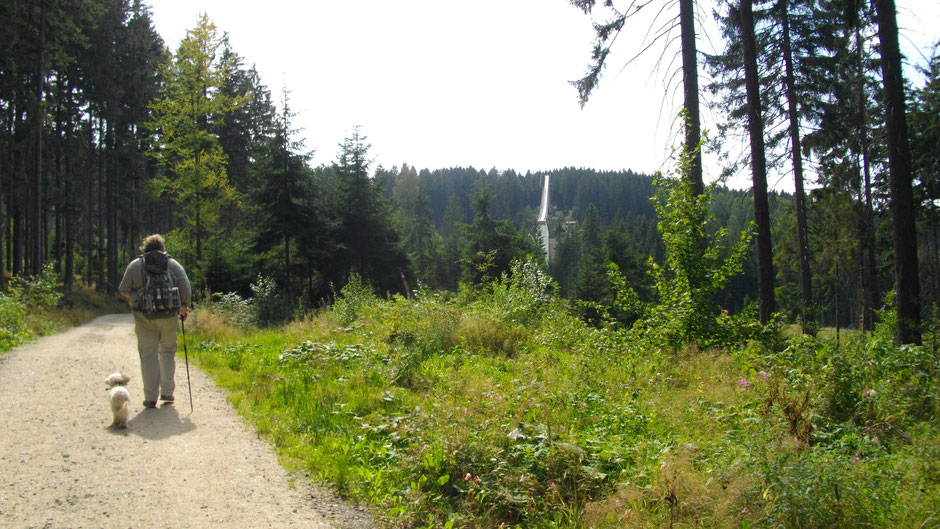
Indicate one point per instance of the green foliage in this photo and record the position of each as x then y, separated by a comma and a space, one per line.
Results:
696, 267
41, 291
12, 322
525, 292
191, 101
270, 305
504, 408
354, 296
235, 309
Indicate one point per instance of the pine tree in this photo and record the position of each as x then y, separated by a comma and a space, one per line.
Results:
368, 243
285, 214
900, 178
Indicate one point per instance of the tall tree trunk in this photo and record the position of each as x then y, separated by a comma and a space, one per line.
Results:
89, 220
111, 157
693, 131
807, 314
36, 239
68, 205
18, 198
102, 212
765, 265
906, 274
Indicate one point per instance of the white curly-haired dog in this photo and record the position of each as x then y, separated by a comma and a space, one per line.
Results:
120, 398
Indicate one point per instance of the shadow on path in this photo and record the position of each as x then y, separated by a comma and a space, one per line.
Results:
159, 423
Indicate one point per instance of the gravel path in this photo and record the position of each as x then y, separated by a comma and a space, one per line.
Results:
62, 465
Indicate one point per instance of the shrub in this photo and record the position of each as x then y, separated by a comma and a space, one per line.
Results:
233, 308
40, 291
13, 330
352, 299
270, 305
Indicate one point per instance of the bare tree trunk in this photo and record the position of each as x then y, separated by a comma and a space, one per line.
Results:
906, 274
111, 159
89, 223
35, 242
765, 266
693, 130
807, 315
102, 212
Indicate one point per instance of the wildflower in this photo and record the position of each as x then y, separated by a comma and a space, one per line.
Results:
522, 479
552, 485
662, 466
476, 479
724, 311
503, 525
467, 477
744, 383
855, 459
744, 511
763, 376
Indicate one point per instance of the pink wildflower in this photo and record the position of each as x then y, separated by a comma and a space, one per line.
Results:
744, 511
724, 311
662, 466
467, 477
476, 479
763, 375
744, 383
503, 525
552, 485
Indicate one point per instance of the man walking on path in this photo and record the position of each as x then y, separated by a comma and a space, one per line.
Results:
159, 290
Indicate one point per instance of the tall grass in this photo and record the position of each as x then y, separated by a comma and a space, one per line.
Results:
35, 306
498, 408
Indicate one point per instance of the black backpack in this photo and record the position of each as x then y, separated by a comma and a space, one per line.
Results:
158, 297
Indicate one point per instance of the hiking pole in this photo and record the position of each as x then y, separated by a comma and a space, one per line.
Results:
186, 356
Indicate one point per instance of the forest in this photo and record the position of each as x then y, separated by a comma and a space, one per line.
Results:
687, 355
108, 135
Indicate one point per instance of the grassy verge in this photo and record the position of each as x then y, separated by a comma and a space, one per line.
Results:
502, 410
26, 315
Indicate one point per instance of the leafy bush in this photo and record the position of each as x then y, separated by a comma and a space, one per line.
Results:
354, 296
40, 291
232, 307
269, 304
524, 292
697, 266
13, 330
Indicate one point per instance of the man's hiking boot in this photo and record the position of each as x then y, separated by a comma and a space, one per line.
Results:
167, 398
150, 404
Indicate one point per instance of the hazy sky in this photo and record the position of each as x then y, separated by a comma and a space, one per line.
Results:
442, 83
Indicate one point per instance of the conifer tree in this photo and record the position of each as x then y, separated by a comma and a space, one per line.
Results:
286, 216
900, 178
183, 125
368, 243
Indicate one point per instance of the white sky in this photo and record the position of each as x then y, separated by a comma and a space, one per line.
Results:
442, 83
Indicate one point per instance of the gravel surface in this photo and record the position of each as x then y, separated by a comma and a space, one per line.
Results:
62, 464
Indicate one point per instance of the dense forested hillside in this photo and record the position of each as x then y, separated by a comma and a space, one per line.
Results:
109, 134
401, 333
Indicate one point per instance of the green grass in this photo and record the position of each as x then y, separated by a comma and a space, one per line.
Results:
22, 321
502, 411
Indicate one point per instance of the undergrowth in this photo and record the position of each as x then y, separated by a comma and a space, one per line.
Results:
35, 306
499, 408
